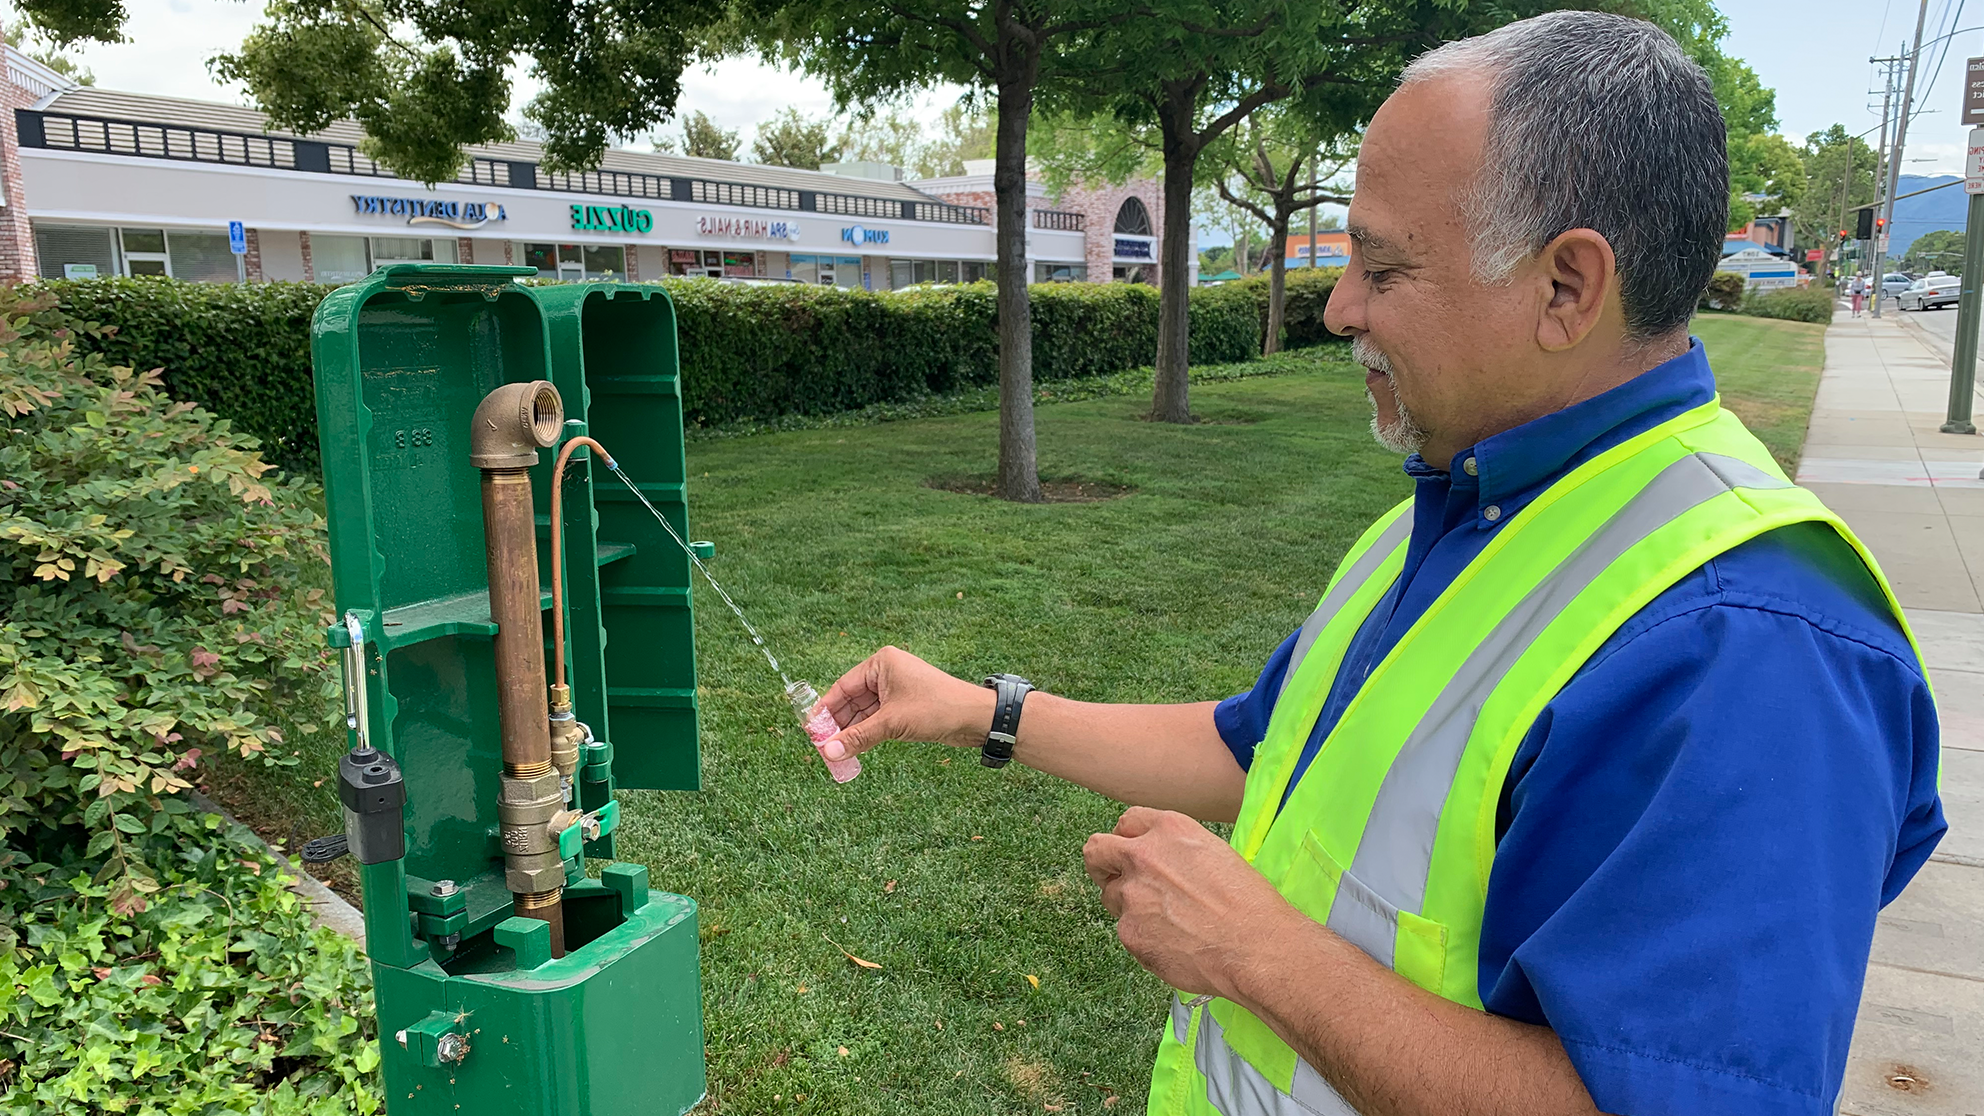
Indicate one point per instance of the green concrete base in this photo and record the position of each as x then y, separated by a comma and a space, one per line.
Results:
613, 1028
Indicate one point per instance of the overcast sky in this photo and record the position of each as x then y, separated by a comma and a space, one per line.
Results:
1813, 52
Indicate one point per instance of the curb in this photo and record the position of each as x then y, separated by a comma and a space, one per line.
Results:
327, 907
1929, 341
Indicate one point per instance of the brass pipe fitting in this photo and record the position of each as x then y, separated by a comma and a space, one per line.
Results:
513, 422
568, 734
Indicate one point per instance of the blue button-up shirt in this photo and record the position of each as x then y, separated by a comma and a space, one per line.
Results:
1697, 834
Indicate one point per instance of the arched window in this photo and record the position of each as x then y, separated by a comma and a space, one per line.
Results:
1133, 218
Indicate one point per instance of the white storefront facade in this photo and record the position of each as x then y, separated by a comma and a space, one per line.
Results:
127, 184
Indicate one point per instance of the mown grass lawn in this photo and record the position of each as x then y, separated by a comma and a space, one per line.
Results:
965, 885
1768, 371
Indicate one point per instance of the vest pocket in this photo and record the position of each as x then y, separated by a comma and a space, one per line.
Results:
1409, 944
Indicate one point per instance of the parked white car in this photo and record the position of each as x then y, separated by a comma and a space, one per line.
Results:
1931, 293
1894, 282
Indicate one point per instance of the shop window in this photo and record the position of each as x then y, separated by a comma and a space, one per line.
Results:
1132, 219
608, 262
974, 270
573, 262
947, 271
901, 274
1132, 273
144, 252
338, 259
201, 256
847, 272
685, 261
805, 269
1044, 272
412, 249
75, 251
741, 265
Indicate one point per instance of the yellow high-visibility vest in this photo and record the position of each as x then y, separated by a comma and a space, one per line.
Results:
1390, 835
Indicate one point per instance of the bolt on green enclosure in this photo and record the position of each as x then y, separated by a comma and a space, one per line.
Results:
476, 1015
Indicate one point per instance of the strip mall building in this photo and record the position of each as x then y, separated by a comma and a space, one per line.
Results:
98, 182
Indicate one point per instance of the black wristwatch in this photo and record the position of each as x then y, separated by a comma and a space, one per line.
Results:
997, 751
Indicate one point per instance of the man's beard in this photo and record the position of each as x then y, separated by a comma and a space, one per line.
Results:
1402, 434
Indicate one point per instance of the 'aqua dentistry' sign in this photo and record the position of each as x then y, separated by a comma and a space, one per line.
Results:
430, 211
611, 218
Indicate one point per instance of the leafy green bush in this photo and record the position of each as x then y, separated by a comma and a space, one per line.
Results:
1305, 295
747, 352
1806, 304
220, 997
241, 351
152, 959
150, 600
1724, 291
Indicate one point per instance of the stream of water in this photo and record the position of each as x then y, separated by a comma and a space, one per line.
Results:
757, 639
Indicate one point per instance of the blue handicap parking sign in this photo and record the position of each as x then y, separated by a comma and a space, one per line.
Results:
237, 238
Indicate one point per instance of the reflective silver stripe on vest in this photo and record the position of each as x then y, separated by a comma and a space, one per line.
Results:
1333, 601
1395, 854
1236, 1088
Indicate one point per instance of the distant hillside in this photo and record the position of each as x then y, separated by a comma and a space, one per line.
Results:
1944, 209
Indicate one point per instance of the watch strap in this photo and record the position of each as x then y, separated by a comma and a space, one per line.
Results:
1010, 692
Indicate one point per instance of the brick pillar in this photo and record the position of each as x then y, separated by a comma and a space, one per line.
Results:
17, 253
465, 249
633, 263
309, 272
507, 261
253, 260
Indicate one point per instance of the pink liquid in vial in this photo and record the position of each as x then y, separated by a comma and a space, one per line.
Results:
820, 725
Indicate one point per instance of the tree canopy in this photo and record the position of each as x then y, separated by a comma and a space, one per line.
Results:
790, 139
1839, 175
427, 78
1941, 250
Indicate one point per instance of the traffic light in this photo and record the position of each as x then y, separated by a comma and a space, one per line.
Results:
1864, 227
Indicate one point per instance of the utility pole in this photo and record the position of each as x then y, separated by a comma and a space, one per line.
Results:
1883, 228
1970, 304
1861, 251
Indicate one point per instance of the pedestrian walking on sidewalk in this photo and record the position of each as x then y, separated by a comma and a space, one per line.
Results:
1583, 786
1858, 289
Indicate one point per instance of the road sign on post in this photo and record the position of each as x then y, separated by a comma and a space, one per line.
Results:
237, 238
1973, 92
1963, 359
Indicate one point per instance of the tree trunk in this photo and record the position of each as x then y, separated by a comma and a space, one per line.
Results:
1019, 474
1277, 281
1170, 397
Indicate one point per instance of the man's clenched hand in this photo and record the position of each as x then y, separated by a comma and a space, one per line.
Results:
1183, 899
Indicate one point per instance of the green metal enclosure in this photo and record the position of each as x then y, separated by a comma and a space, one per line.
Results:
475, 1015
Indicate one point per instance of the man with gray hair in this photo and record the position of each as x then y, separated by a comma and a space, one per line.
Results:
1583, 786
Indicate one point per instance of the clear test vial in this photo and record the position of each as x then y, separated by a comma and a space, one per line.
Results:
819, 724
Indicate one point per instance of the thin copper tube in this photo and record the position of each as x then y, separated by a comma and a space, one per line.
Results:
558, 549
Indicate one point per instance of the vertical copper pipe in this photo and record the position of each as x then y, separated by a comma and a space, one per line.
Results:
511, 530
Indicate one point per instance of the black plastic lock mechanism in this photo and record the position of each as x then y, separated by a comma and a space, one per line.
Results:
374, 799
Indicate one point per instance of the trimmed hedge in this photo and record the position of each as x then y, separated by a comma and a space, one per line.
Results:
1305, 296
1808, 304
748, 352
1724, 291
759, 352
242, 352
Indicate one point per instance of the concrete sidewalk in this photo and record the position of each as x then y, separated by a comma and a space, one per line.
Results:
1913, 495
